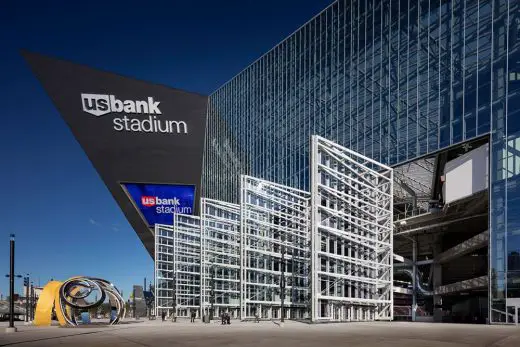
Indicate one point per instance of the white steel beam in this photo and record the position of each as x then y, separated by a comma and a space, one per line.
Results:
351, 234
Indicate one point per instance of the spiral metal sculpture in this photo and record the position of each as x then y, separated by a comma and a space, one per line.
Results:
73, 293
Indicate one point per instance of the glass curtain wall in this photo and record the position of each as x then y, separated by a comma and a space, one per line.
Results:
392, 80
505, 159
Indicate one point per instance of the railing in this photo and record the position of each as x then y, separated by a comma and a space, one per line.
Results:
406, 311
505, 315
410, 213
403, 311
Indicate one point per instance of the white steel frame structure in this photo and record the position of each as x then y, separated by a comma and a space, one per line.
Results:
352, 235
177, 266
220, 254
186, 263
275, 236
164, 270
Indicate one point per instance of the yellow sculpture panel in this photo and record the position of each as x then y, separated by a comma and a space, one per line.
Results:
43, 313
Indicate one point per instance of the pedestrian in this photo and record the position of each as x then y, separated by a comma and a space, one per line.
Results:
223, 318
163, 315
193, 315
228, 318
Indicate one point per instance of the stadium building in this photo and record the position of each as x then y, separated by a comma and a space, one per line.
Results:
364, 168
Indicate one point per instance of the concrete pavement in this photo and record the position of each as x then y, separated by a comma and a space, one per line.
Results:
267, 334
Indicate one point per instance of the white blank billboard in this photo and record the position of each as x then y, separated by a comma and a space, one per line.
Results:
466, 175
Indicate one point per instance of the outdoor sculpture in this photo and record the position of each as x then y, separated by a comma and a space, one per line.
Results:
73, 294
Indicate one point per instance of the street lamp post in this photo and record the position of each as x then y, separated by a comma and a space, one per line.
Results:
26, 281
11, 328
133, 304
32, 301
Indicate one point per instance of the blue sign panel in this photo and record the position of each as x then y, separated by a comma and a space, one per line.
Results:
158, 202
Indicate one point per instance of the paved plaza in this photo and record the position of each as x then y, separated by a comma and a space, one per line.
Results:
266, 334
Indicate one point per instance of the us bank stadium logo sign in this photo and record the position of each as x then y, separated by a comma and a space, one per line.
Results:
142, 116
165, 205
159, 202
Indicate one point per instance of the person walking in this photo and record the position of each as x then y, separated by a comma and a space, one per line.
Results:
163, 315
193, 315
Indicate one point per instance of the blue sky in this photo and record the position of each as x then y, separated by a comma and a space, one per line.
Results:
66, 222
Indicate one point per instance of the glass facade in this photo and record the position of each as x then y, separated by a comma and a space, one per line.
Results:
392, 80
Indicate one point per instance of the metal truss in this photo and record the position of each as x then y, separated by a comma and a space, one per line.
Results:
220, 255
186, 262
275, 254
352, 245
413, 188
